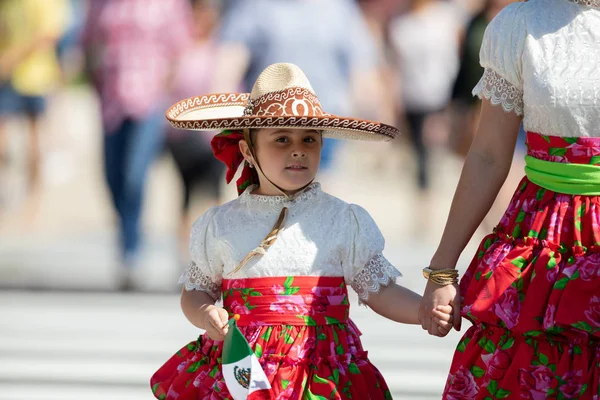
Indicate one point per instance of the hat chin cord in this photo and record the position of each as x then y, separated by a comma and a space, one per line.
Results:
274, 233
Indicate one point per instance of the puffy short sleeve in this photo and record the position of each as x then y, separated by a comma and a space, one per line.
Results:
205, 270
366, 270
500, 56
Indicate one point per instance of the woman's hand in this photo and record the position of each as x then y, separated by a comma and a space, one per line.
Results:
433, 304
215, 322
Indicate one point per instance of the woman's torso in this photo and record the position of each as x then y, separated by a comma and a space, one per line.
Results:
561, 68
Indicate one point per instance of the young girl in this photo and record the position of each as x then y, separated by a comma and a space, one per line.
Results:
290, 288
533, 289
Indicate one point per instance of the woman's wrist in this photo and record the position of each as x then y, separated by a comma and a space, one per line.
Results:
443, 261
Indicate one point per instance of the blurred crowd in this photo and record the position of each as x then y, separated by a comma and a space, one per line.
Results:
410, 63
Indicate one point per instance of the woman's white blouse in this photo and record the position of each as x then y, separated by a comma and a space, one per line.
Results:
542, 61
322, 236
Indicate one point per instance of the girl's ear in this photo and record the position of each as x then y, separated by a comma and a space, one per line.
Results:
245, 150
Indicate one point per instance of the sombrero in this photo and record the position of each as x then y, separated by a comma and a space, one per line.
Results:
282, 97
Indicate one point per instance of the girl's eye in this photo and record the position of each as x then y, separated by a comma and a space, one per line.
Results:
310, 140
282, 139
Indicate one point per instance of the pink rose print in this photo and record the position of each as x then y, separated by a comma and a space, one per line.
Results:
511, 211
552, 274
543, 155
182, 366
570, 270
581, 150
301, 350
539, 154
535, 382
277, 289
530, 206
593, 311
270, 364
508, 307
234, 284
206, 346
549, 317
497, 364
289, 304
571, 388
218, 388
595, 216
289, 394
495, 255
317, 304
589, 267
553, 223
331, 295
200, 378
466, 310
239, 308
327, 291
463, 385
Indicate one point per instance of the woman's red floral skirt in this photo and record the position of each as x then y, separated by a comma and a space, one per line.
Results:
533, 293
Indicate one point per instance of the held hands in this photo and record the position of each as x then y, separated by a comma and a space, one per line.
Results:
215, 322
443, 317
440, 309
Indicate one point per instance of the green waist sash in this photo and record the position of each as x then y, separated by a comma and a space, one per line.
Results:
581, 179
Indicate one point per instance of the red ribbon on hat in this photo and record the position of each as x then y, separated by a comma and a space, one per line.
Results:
226, 148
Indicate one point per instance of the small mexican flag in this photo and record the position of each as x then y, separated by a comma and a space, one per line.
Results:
241, 369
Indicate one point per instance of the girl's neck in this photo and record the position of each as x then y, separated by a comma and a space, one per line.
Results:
270, 190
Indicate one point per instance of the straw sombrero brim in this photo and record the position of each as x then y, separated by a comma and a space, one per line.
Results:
218, 112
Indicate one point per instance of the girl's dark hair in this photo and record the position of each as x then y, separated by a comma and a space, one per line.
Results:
253, 133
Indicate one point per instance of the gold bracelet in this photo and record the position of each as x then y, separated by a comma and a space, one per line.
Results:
442, 277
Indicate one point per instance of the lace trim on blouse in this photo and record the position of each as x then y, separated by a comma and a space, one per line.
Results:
589, 3
194, 279
307, 195
499, 91
378, 273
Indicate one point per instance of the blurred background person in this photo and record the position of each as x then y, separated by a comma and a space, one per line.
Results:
328, 39
68, 254
465, 108
131, 49
29, 71
378, 14
198, 169
425, 40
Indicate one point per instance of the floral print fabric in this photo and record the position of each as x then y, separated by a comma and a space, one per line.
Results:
300, 332
533, 294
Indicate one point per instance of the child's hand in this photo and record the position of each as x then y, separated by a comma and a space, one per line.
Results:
444, 318
215, 322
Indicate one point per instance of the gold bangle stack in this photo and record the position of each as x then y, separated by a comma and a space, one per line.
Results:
442, 277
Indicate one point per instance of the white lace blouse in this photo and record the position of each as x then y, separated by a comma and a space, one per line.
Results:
542, 61
322, 236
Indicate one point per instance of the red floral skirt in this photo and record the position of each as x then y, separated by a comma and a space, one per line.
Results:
300, 332
533, 293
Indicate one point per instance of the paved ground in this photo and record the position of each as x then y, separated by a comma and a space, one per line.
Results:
73, 346
65, 333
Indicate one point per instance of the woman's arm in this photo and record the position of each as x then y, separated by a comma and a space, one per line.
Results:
483, 174
198, 307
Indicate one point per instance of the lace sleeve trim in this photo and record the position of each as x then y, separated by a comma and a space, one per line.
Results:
499, 91
194, 279
378, 272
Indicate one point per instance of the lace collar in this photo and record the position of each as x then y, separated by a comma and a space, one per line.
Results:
308, 195
589, 3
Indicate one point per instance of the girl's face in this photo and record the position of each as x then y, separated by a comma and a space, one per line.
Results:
288, 157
